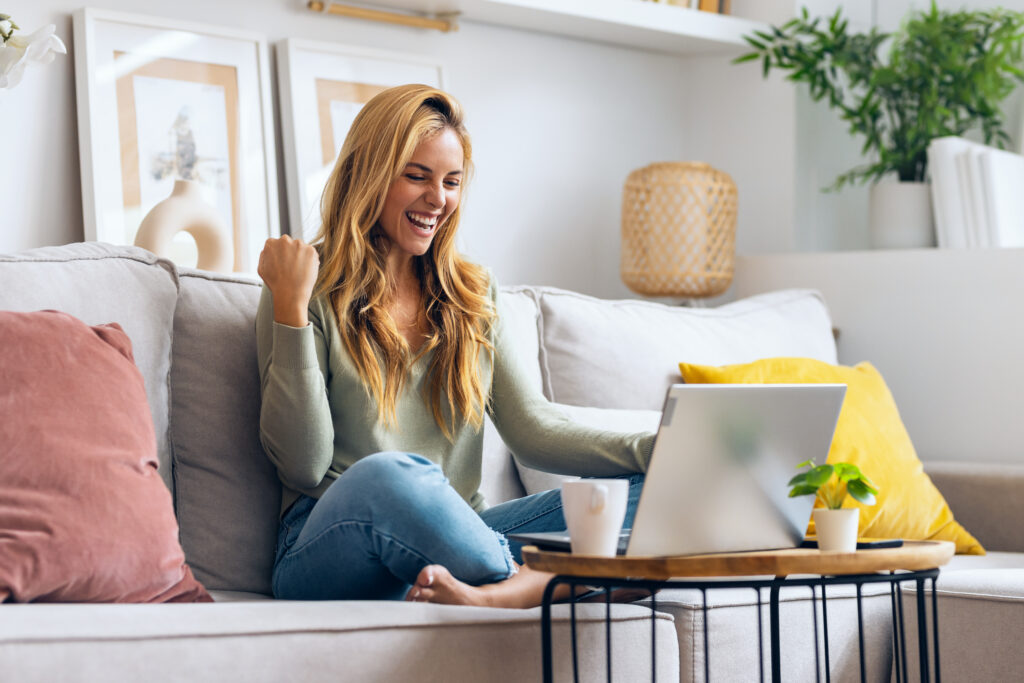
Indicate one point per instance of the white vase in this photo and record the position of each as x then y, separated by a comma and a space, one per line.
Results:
836, 529
187, 210
900, 215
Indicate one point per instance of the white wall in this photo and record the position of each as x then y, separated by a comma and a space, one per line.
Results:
743, 124
945, 327
824, 149
557, 125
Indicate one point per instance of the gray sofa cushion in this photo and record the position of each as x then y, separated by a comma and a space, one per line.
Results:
970, 487
100, 283
517, 308
625, 354
227, 493
321, 641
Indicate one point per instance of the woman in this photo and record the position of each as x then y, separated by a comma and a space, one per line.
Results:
380, 342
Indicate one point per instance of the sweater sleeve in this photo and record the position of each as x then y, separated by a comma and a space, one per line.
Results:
543, 437
296, 428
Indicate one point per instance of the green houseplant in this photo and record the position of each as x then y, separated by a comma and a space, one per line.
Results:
943, 73
835, 525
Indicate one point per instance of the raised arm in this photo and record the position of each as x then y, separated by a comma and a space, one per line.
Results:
543, 437
296, 428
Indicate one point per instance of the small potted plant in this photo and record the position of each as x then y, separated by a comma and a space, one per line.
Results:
835, 525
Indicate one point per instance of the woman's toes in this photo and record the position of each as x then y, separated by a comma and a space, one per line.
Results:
424, 588
426, 577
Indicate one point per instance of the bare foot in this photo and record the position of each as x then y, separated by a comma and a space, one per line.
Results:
436, 584
524, 589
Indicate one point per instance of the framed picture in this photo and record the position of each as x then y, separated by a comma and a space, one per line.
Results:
323, 86
160, 102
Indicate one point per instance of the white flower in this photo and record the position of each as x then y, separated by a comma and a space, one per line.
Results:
19, 51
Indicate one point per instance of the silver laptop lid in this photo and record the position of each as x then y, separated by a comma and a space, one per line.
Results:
717, 477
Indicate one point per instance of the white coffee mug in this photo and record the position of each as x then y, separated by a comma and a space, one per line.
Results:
594, 511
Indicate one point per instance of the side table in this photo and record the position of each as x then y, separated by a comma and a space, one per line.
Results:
917, 561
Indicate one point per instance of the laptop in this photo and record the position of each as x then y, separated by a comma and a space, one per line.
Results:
716, 481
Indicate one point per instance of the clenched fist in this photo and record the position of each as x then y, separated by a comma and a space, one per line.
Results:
289, 268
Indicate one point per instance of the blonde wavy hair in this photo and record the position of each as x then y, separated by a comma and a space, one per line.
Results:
353, 251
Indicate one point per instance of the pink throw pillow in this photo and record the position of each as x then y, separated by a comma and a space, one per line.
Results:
84, 515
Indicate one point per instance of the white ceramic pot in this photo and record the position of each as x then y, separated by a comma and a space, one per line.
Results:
900, 215
836, 529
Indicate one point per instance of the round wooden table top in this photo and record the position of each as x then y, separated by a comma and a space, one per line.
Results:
912, 556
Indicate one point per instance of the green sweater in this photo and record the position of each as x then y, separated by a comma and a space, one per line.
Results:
317, 418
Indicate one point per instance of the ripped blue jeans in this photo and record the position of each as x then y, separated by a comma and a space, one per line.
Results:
391, 514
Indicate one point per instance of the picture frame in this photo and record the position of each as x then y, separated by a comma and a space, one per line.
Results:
161, 101
322, 87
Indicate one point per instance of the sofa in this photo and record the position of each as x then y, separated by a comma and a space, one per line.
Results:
604, 362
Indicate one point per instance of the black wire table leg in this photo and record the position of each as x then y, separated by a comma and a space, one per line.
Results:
545, 631
704, 618
860, 633
902, 631
824, 630
608, 630
895, 633
814, 633
654, 629
572, 631
935, 628
760, 638
773, 624
922, 631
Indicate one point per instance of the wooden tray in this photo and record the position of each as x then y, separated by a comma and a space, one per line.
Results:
912, 555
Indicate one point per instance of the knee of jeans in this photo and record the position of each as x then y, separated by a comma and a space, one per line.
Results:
383, 481
390, 468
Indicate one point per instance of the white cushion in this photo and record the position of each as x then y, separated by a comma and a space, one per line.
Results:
519, 315
625, 354
535, 481
322, 640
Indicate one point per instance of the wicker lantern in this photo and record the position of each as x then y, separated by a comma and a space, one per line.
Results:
678, 230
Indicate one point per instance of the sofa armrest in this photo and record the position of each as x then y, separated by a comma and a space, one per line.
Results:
985, 498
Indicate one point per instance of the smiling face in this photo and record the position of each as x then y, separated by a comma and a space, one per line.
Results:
423, 196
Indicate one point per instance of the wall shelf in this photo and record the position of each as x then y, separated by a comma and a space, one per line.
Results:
631, 23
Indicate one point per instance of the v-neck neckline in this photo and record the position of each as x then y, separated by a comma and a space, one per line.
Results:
421, 359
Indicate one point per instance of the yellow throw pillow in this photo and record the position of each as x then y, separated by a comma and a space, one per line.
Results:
869, 434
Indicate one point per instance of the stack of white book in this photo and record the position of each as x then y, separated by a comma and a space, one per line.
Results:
977, 194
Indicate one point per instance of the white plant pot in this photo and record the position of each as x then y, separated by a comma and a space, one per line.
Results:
836, 529
900, 215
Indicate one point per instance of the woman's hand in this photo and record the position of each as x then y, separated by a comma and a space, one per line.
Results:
289, 268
